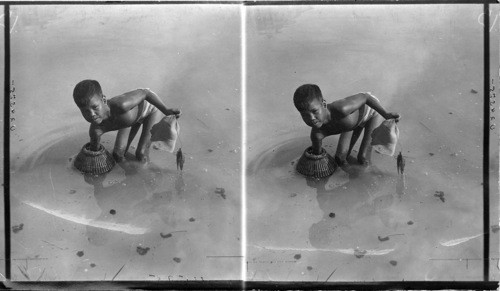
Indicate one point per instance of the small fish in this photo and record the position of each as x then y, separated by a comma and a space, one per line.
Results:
401, 163
180, 159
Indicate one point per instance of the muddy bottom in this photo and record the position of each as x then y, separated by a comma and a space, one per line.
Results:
121, 217
357, 219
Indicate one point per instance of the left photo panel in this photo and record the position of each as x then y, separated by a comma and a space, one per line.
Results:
125, 142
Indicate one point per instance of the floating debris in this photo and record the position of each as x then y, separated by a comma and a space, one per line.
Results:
192, 219
359, 253
385, 238
297, 256
221, 192
293, 195
112, 212
440, 195
409, 222
17, 228
210, 150
165, 235
142, 251
180, 159
177, 260
309, 268
80, 253
332, 215
92, 265
473, 91
72, 191
495, 228
431, 154
394, 263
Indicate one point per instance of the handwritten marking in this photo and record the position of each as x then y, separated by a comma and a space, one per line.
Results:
492, 105
12, 101
481, 17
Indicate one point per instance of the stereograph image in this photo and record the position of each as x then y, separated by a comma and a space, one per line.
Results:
125, 156
403, 200
361, 148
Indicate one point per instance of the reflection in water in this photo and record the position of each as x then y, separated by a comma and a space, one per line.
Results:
354, 201
136, 198
348, 207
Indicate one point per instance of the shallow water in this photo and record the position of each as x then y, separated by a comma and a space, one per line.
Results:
137, 222
357, 225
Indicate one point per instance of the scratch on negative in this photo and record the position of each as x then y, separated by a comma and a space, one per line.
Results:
343, 251
15, 21
52, 183
118, 272
458, 241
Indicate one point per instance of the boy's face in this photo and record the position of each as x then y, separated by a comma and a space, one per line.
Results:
313, 113
95, 111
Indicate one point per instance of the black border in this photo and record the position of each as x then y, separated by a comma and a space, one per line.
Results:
252, 285
6, 142
249, 2
237, 284
486, 146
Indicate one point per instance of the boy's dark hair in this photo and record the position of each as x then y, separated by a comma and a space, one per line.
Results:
85, 90
305, 94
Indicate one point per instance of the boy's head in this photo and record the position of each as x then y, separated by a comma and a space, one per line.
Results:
310, 103
89, 98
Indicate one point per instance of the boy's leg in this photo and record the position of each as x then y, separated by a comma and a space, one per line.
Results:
121, 144
133, 131
142, 152
343, 148
365, 149
355, 135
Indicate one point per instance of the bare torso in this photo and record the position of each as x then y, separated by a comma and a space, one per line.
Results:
116, 120
337, 125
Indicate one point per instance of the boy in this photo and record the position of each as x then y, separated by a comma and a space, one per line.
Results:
125, 113
347, 117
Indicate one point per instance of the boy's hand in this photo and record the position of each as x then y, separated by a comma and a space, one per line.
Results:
393, 115
176, 112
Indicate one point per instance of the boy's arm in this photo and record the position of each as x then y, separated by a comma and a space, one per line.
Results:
152, 98
95, 137
129, 100
350, 104
317, 141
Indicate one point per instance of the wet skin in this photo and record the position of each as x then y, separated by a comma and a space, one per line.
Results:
121, 113
341, 117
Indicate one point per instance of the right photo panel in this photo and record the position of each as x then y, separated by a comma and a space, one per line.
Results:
365, 143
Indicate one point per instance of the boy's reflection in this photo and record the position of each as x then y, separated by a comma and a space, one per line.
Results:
348, 198
138, 196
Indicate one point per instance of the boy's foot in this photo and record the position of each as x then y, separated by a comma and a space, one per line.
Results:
363, 161
118, 157
341, 162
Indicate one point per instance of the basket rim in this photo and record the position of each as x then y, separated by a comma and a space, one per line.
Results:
308, 154
88, 152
